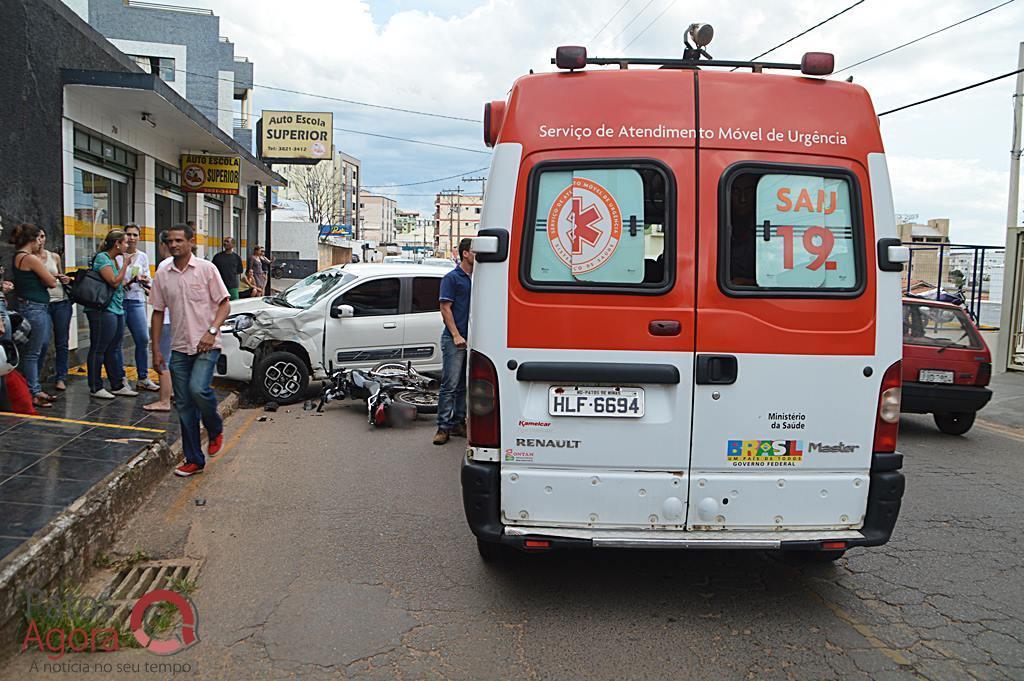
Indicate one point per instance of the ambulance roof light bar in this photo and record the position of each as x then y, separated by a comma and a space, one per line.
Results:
574, 57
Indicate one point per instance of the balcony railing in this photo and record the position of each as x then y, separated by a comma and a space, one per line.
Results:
169, 8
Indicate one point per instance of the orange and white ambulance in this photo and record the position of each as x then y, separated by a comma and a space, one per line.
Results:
685, 322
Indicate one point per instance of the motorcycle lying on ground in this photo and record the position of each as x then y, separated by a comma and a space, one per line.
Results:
395, 393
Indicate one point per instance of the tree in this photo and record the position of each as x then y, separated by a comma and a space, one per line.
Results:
316, 188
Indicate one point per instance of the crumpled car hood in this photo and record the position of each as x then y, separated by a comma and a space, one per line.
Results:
277, 323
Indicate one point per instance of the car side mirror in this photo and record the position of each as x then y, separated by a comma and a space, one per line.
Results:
340, 311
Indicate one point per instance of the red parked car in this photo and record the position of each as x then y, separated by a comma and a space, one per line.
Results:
946, 364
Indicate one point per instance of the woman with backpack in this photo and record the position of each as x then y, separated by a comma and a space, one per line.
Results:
106, 325
32, 284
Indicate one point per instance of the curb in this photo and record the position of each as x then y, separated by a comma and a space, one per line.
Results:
64, 550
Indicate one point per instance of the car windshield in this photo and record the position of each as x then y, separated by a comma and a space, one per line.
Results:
938, 326
305, 293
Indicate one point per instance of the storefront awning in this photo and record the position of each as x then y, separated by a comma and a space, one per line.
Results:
170, 116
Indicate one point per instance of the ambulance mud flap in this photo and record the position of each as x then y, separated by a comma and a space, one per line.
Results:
481, 500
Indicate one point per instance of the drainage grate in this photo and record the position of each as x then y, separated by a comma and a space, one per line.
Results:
130, 584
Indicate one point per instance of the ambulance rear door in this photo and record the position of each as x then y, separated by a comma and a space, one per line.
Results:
788, 363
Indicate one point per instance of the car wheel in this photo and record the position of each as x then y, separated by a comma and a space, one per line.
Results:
423, 402
954, 423
281, 377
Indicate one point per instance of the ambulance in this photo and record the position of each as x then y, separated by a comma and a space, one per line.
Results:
685, 326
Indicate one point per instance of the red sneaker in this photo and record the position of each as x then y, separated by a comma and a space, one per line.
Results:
216, 444
188, 469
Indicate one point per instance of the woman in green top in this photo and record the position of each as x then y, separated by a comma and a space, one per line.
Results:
31, 285
106, 327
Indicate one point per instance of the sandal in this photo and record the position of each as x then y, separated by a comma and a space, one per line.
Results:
47, 397
41, 402
60, 385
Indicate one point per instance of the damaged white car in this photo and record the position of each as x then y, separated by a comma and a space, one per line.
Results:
351, 315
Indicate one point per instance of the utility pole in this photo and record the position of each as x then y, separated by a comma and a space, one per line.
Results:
481, 180
1012, 303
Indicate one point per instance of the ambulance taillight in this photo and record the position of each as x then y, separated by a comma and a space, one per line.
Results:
887, 422
484, 410
494, 116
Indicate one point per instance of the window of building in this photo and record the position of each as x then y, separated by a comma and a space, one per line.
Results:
102, 202
791, 230
599, 226
161, 66
478, 211
425, 294
103, 153
374, 298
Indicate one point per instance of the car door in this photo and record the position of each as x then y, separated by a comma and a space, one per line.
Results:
376, 330
423, 323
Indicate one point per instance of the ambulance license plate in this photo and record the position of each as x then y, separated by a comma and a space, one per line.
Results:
596, 401
935, 376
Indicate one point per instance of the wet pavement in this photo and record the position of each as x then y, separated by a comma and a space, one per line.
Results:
48, 462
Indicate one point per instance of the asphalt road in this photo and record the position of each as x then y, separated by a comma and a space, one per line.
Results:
333, 551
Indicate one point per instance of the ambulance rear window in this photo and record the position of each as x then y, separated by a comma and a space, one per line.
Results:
599, 227
790, 230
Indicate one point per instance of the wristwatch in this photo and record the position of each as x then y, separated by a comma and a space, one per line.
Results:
213, 330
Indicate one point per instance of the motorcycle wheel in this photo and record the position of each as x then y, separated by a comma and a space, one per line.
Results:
422, 401
390, 369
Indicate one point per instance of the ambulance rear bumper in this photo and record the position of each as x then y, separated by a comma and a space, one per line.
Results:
481, 502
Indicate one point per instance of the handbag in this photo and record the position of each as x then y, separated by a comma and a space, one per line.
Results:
89, 289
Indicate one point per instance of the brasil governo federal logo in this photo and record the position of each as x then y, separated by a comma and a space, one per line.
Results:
584, 225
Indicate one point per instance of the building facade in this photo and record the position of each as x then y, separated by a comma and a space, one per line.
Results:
183, 46
924, 240
100, 142
456, 216
377, 219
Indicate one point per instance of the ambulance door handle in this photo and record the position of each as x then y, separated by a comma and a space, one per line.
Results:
390, 325
664, 327
716, 369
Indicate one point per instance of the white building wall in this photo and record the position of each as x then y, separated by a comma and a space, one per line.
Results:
177, 52
226, 101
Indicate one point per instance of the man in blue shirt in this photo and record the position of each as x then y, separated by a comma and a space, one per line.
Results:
454, 297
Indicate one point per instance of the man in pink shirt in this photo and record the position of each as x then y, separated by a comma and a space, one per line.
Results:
192, 290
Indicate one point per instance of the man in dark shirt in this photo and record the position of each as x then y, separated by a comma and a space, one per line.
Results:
229, 265
454, 297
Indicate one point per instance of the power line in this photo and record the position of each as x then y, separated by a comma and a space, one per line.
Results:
635, 17
805, 32
927, 35
336, 99
610, 20
667, 8
952, 92
391, 137
439, 179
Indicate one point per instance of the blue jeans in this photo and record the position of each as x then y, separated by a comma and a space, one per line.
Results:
195, 400
106, 333
451, 401
60, 318
138, 325
38, 315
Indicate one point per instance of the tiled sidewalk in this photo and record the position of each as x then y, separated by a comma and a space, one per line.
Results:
47, 463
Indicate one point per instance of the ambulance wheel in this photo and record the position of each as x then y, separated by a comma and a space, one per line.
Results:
955, 423
280, 377
490, 551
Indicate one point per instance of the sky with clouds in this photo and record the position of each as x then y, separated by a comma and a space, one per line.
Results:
948, 158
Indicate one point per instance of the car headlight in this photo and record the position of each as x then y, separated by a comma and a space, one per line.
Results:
238, 322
